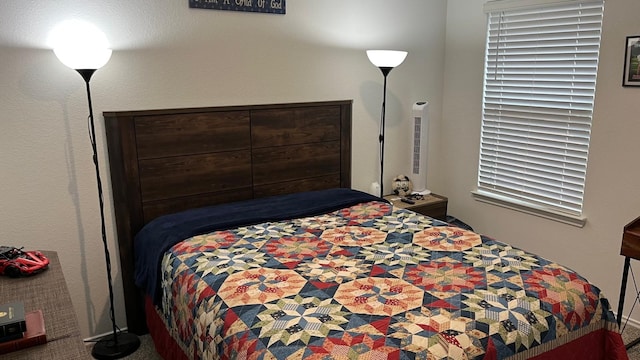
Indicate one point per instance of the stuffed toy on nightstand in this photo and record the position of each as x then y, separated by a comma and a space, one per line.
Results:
402, 185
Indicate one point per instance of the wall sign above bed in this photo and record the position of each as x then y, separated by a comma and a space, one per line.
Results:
262, 6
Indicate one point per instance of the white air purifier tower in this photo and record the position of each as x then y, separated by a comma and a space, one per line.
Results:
419, 147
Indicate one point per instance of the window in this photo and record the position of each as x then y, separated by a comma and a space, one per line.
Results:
539, 88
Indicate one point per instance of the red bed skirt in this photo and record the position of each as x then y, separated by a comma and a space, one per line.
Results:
165, 345
601, 344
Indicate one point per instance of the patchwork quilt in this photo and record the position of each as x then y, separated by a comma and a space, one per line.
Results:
370, 282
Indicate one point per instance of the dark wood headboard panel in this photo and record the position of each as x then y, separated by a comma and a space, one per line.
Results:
165, 161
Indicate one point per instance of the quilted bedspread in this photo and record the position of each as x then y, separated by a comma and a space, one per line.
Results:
370, 282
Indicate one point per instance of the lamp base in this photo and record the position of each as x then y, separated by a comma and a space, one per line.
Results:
106, 348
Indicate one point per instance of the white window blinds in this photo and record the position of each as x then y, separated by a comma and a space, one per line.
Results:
539, 89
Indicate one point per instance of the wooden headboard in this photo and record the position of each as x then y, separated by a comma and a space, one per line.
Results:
165, 161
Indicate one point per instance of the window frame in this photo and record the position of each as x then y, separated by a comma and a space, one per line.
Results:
499, 181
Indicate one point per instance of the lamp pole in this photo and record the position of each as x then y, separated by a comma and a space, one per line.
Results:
86, 75
116, 345
385, 71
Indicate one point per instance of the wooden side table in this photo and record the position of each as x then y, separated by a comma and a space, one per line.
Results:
630, 249
433, 205
48, 292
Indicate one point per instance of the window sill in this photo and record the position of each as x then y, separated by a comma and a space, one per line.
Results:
527, 208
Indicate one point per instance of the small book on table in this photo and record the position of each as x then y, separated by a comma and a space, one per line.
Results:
12, 320
35, 334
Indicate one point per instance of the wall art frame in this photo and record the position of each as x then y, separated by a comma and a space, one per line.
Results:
631, 75
259, 6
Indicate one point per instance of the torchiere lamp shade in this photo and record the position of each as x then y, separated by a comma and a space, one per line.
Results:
80, 58
80, 45
386, 58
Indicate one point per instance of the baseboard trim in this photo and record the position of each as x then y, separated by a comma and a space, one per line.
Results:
100, 336
629, 321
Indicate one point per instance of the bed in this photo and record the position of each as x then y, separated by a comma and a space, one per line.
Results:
239, 238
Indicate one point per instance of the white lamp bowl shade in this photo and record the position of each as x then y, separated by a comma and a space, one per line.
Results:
386, 58
79, 58
80, 45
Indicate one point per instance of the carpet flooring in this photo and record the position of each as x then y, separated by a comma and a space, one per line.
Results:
628, 335
148, 352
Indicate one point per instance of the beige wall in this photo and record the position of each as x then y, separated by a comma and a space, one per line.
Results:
167, 55
612, 196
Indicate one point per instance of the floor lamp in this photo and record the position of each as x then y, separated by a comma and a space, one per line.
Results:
85, 57
385, 60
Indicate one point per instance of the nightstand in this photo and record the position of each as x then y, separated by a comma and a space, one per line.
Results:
432, 205
630, 249
48, 292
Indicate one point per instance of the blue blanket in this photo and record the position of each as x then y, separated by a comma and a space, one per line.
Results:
162, 233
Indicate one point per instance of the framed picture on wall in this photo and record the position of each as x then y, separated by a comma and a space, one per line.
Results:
631, 75
260, 6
